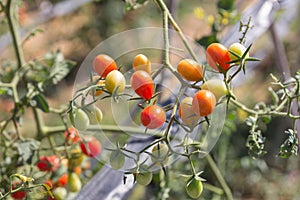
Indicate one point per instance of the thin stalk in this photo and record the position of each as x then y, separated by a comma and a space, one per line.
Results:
12, 25
172, 21
219, 176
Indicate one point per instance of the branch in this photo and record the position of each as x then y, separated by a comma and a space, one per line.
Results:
12, 25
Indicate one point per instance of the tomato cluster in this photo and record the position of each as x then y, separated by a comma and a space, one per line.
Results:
109, 80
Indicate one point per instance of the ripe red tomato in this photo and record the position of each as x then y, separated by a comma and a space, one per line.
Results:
115, 82
71, 135
190, 70
218, 55
141, 62
194, 188
21, 194
186, 113
90, 146
153, 117
142, 83
48, 163
203, 103
63, 179
103, 64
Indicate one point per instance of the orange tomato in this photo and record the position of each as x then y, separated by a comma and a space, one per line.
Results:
100, 85
103, 64
190, 70
218, 55
203, 103
141, 62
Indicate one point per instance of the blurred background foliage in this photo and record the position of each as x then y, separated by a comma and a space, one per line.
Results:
76, 33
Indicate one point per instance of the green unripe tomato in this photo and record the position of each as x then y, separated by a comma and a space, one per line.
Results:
216, 86
194, 188
59, 193
117, 159
115, 82
74, 183
160, 153
95, 114
144, 177
79, 119
238, 49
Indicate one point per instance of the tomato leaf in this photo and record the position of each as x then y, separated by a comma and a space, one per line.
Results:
26, 149
134, 4
41, 102
49, 70
6, 91
289, 146
226, 4
207, 40
59, 70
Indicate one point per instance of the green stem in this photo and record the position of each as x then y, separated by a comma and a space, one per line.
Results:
39, 123
172, 21
213, 188
219, 176
12, 25
263, 113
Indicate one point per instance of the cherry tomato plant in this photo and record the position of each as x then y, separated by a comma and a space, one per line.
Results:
58, 155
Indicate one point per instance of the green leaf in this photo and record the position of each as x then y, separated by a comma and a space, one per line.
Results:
60, 68
226, 4
134, 4
50, 70
207, 40
26, 149
289, 146
6, 91
41, 102
255, 144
